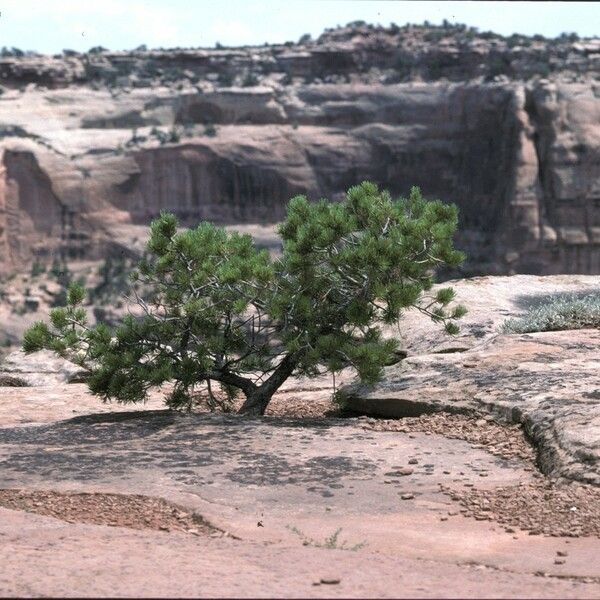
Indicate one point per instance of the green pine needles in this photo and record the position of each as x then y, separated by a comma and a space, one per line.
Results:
222, 312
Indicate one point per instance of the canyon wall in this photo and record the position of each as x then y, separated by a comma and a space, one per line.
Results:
92, 147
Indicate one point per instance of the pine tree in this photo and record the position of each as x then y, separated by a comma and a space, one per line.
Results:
222, 312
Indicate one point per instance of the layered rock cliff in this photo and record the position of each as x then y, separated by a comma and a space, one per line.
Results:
93, 146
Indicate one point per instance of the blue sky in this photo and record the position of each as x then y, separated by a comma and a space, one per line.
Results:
50, 25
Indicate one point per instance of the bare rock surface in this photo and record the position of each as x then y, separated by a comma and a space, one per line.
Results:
545, 381
490, 301
302, 503
294, 496
41, 368
65, 560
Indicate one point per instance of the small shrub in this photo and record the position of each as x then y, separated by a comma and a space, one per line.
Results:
340, 399
97, 50
135, 139
210, 130
250, 80
543, 69
159, 135
174, 135
113, 275
60, 271
330, 543
434, 36
37, 268
568, 37
225, 79
560, 314
497, 65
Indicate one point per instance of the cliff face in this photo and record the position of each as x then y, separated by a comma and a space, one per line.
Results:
93, 145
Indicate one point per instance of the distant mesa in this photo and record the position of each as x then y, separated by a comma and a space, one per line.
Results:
94, 145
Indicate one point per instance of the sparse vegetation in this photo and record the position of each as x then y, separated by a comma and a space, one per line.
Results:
37, 268
60, 271
172, 136
210, 130
250, 80
225, 79
11, 52
113, 275
564, 312
135, 139
330, 543
340, 399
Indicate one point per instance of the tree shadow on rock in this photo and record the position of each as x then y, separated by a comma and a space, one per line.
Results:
193, 450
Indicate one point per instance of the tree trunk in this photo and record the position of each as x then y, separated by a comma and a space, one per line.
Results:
258, 399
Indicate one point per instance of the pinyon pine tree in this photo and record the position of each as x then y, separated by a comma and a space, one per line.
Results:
221, 312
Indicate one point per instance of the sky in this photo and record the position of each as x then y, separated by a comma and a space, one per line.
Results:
49, 26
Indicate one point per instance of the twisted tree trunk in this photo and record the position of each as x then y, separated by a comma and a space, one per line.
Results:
258, 399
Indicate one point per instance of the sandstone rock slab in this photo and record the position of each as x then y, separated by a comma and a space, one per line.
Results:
41, 368
311, 475
547, 381
490, 301
302, 479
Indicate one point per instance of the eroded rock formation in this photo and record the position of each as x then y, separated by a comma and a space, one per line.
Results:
545, 381
509, 129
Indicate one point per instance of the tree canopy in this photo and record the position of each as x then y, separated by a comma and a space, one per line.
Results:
214, 309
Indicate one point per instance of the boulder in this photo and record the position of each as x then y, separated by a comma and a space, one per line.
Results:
41, 368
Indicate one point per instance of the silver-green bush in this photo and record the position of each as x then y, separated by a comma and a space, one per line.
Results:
566, 312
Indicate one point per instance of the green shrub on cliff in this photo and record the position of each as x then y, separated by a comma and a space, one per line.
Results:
221, 311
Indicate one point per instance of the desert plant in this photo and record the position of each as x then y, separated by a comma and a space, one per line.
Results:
330, 543
210, 130
135, 139
60, 271
174, 135
225, 79
563, 312
250, 80
113, 276
159, 135
37, 268
223, 311
497, 65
